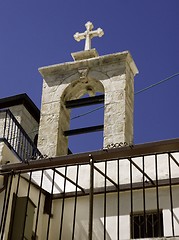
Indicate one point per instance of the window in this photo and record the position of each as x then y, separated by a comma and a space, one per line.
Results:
147, 225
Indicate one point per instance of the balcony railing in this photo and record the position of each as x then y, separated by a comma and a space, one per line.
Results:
112, 194
12, 133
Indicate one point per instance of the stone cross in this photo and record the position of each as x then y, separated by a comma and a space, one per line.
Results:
88, 35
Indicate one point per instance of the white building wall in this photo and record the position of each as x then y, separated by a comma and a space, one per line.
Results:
82, 216
34, 194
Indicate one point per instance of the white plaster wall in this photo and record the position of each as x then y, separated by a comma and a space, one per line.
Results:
34, 194
124, 171
82, 214
6, 155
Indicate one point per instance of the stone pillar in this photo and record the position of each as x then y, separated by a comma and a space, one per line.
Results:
119, 102
112, 74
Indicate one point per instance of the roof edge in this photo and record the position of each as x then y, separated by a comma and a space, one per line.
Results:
139, 150
23, 99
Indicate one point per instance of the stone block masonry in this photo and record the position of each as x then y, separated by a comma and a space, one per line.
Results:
111, 74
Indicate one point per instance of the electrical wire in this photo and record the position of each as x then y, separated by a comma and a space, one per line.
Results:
86, 113
140, 91
155, 84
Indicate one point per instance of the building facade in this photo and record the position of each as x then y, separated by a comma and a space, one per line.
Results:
122, 191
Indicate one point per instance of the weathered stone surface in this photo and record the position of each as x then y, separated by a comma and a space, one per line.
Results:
91, 53
26, 120
112, 74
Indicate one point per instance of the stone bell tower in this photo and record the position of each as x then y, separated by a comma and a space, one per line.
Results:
111, 74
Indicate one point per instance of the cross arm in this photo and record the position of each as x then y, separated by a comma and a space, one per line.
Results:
88, 35
79, 36
97, 33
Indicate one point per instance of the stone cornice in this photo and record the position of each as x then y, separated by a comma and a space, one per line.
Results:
96, 61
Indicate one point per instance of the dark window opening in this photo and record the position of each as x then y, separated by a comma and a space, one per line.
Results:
147, 225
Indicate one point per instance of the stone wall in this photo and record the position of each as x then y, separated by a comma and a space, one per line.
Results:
28, 123
2, 123
112, 74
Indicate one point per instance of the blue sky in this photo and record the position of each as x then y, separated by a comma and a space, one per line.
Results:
37, 33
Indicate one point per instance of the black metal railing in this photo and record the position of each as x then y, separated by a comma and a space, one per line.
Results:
16, 138
109, 198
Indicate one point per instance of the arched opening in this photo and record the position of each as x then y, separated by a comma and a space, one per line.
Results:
89, 120
85, 99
